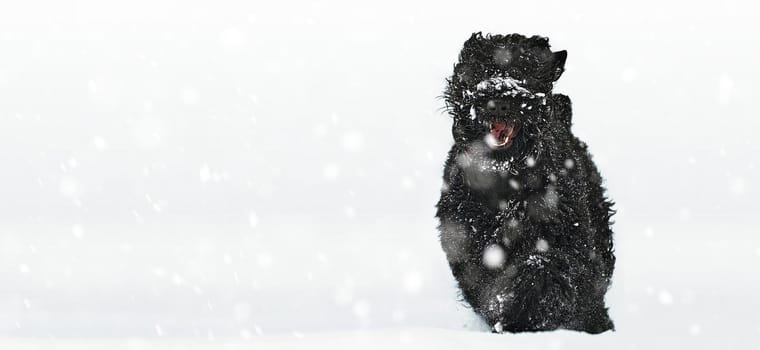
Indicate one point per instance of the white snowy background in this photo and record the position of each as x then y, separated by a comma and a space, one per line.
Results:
263, 174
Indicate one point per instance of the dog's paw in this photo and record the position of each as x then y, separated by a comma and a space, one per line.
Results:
497, 328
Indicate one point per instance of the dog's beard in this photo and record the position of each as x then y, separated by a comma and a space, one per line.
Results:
481, 156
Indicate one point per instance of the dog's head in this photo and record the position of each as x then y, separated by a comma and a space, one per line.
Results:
498, 94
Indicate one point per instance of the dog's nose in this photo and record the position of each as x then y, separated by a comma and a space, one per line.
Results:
495, 106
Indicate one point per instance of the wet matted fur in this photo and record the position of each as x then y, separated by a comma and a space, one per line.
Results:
524, 220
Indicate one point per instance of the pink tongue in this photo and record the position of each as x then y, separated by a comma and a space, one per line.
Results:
498, 127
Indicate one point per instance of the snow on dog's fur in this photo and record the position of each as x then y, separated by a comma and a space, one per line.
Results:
524, 220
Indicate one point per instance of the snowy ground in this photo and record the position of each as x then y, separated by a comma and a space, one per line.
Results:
414, 338
191, 175
674, 287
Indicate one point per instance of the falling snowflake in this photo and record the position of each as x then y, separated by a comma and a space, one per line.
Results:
542, 245
253, 219
665, 297
77, 231
362, 309
330, 171
100, 143
493, 256
353, 141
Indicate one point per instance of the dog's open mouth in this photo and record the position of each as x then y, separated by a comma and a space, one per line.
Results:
502, 133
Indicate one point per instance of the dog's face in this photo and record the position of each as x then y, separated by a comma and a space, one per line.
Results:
498, 92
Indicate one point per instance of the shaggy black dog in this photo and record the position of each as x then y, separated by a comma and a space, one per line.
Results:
524, 221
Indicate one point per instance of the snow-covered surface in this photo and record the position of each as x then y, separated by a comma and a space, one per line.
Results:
508, 85
674, 287
191, 175
401, 339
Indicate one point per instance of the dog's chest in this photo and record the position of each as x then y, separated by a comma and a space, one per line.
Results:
504, 188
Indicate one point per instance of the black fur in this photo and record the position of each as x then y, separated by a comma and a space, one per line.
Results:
540, 201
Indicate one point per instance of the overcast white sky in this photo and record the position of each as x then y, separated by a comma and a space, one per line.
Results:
186, 167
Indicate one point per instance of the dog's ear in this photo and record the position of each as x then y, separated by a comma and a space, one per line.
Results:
473, 43
474, 39
558, 63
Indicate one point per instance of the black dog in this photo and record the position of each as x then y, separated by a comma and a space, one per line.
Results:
523, 216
